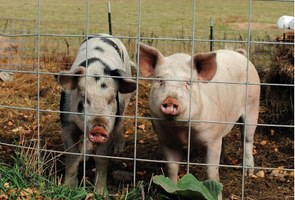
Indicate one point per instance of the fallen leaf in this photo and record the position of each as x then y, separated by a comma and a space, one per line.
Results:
278, 172
232, 161
181, 174
25, 116
3, 197
6, 185
263, 142
234, 197
254, 150
90, 196
141, 141
141, 127
129, 131
260, 174
10, 123
18, 129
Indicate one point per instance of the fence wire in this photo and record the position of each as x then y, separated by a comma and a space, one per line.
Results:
32, 52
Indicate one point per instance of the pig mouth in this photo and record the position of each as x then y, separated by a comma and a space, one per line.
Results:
98, 135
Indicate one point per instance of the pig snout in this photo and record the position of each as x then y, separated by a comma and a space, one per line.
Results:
170, 107
98, 135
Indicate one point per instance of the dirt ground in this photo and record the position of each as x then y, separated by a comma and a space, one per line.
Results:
272, 148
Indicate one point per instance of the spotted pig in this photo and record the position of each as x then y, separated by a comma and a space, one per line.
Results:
95, 93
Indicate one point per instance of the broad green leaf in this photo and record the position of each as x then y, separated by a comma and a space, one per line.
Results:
189, 187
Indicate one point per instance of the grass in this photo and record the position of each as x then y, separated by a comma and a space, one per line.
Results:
32, 178
163, 18
159, 19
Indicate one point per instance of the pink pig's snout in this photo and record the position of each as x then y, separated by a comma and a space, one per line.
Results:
98, 135
170, 107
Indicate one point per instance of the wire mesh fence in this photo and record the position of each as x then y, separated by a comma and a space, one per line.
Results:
32, 51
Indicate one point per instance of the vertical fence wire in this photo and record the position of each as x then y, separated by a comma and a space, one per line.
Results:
245, 126
85, 97
194, 10
38, 88
138, 39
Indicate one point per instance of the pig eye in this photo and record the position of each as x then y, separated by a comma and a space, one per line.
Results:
80, 106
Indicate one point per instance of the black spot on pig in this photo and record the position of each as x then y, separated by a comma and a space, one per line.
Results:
99, 49
107, 70
113, 44
88, 38
64, 106
90, 61
103, 86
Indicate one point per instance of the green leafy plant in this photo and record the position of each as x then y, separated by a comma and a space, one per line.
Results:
189, 187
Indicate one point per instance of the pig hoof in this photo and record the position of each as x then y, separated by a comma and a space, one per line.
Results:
249, 172
98, 135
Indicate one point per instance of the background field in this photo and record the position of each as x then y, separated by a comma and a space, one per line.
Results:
168, 18
29, 104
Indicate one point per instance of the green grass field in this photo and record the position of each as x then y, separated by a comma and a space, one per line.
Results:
162, 18
158, 19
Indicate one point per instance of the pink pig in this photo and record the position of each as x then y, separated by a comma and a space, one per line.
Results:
208, 88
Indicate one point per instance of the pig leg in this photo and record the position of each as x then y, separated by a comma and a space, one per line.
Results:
70, 136
248, 145
213, 158
119, 139
101, 165
172, 154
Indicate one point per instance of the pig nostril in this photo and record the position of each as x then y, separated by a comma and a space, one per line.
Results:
165, 105
175, 106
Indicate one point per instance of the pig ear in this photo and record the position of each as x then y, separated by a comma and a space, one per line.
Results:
205, 64
125, 85
148, 58
67, 80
